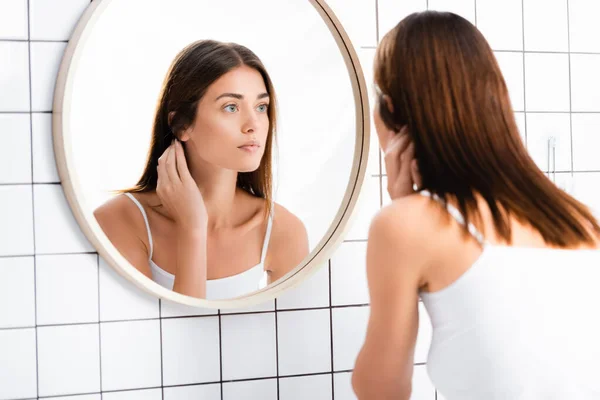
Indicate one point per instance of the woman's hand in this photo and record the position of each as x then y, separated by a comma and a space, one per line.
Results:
178, 191
401, 165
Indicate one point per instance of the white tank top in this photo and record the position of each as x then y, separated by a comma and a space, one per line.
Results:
241, 284
520, 324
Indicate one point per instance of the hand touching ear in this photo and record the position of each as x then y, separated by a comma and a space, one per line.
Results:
400, 164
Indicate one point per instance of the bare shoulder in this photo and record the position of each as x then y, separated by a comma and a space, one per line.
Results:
287, 223
123, 224
407, 231
412, 218
289, 241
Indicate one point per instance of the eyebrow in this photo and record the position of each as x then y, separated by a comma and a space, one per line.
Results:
240, 97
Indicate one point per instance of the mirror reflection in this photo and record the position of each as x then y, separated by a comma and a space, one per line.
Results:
215, 152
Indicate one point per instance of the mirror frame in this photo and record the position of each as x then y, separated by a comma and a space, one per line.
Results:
320, 254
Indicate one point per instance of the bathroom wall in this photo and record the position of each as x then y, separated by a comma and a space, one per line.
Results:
71, 328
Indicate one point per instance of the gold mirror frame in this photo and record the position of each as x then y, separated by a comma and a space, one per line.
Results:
91, 229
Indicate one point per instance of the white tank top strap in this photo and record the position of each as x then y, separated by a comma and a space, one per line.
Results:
263, 254
456, 214
139, 205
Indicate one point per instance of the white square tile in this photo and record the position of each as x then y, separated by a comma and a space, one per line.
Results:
16, 214
585, 189
15, 152
316, 387
585, 82
358, 19
51, 20
546, 82
544, 127
17, 369
586, 142
349, 274
264, 389
520, 120
501, 23
311, 293
511, 65
58, 303
130, 354
304, 351
266, 306
203, 392
147, 394
349, 331
120, 300
422, 388
546, 25
391, 12
14, 76
52, 214
464, 8
13, 19
584, 28
97, 396
190, 348
45, 61
66, 352
423, 335
368, 205
342, 386
44, 163
17, 294
564, 181
248, 346
170, 309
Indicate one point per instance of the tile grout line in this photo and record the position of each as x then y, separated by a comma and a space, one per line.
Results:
331, 332
524, 79
570, 90
99, 324
220, 354
276, 347
37, 364
162, 369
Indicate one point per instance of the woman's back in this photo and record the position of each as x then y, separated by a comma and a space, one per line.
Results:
520, 322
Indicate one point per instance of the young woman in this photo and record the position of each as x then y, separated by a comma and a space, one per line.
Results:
201, 220
507, 264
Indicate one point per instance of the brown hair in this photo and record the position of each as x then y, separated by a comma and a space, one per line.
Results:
192, 71
445, 85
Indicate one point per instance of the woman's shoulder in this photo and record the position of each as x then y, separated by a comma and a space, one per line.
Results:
286, 223
119, 218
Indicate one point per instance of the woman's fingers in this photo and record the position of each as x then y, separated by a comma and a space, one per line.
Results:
184, 172
171, 167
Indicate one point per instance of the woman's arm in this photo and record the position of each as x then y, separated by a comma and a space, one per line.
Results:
183, 201
190, 278
395, 259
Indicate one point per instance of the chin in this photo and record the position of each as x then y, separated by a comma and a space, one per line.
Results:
248, 168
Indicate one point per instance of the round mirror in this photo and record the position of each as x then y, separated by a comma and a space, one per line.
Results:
212, 152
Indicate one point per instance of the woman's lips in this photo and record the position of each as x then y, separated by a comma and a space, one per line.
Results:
250, 148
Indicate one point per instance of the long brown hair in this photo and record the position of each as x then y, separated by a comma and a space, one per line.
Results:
192, 71
445, 85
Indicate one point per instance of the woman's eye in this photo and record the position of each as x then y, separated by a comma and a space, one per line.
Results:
263, 108
231, 108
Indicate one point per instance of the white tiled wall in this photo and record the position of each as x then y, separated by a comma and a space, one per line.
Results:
71, 328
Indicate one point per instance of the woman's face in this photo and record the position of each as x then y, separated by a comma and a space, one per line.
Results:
232, 122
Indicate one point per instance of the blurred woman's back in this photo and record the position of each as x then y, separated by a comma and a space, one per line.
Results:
513, 295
